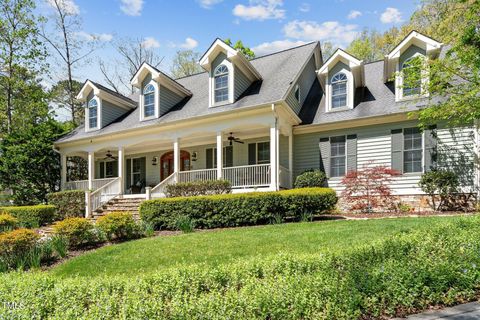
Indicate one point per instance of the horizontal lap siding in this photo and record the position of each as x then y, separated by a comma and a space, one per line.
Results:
305, 82
110, 113
241, 83
168, 100
374, 148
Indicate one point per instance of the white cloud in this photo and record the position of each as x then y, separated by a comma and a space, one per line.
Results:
150, 42
189, 44
391, 15
269, 47
304, 7
333, 31
103, 37
260, 10
69, 6
132, 7
354, 14
207, 4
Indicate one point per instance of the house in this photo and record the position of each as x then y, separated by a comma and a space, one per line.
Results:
272, 117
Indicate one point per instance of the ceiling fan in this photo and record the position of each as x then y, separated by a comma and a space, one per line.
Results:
109, 156
232, 139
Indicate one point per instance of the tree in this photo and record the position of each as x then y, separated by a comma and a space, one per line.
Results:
368, 188
61, 97
185, 63
71, 48
28, 164
132, 52
20, 50
327, 50
247, 52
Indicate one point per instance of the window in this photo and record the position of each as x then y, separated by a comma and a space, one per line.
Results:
412, 77
337, 156
92, 114
412, 150
221, 83
108, 169
259, 153
339, 90
297, 93
211, 154
149, 101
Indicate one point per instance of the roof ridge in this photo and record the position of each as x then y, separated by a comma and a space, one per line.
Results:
284, 50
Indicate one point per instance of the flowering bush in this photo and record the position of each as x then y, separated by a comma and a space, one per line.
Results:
79, 232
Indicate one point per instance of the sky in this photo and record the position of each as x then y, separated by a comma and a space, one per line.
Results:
264, 25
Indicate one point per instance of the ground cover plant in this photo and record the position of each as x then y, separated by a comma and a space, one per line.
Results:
402, 274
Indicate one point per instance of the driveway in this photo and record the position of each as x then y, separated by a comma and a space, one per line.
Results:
468, 311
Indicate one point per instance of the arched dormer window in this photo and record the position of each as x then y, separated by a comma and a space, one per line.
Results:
339, 90
412, 76
221, 84
149, 101
93, 114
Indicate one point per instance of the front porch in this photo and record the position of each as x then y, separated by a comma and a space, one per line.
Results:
257, 159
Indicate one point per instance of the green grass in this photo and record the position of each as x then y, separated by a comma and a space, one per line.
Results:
223, 246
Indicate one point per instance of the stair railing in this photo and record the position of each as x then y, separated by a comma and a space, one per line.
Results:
159, 189
96, 199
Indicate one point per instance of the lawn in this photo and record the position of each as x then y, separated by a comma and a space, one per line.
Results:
223, 246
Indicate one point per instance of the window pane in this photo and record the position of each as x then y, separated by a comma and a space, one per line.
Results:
337, 166
221, 88
149, 104
92, 117
263, 153
337, 153
412, 78
412, 155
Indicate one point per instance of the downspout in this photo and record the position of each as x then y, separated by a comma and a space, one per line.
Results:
277, 156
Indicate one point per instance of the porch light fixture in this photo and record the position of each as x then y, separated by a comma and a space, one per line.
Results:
154, 161
194, 156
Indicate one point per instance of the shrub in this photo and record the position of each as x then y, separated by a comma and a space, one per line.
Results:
118, 226
185, 224
32, 216
311, 179
443, 183
198, 188
78, 232
68, 204
232, 210
7, 222
404, 274
368, 189
17, 246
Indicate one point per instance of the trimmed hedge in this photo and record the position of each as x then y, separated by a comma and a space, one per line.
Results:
16, 247
119, 226
405, 274
69, 203
32, 216
198, 188
233, 210
79, 232
7, 222
311, 179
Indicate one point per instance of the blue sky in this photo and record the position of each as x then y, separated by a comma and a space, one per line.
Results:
264, 25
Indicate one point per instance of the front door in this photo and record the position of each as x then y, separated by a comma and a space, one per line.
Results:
167, 166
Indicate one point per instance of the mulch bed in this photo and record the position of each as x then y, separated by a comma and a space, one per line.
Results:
379, 215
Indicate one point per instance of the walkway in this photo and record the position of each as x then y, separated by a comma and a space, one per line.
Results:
468, 311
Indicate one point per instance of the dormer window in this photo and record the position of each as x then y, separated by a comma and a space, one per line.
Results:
93, 114
221, 83
412, 77
297, 93
149, 101
339, 90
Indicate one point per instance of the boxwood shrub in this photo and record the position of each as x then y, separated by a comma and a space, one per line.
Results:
78, 232
232, 210
198, 188
70, 203
32, 216
119, 226
404, 274
7, 222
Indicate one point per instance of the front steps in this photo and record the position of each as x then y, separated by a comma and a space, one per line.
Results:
120, 204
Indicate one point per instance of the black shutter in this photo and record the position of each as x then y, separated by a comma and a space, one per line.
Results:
228, 157
252, 153
102, 170
324, 146
128, 181
430, 148
397, 150
115, 168
351, 152
209, 158
143, 171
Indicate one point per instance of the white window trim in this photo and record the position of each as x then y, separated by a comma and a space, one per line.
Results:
256, 152
104, 164
231, 83
345, 156
157, 102
350, 91
399, 81
423, 154
99, 115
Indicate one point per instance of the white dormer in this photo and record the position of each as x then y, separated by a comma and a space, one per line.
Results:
339, 76
230, 73
102, 105
416, 47
158, 92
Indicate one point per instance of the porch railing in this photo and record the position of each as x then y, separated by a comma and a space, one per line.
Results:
159, 189
104, 194
83, 184
197, 175
248, 176
285, 178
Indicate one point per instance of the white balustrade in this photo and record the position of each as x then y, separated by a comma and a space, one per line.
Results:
197, 175
248, 176
104, 194
83, 184
159, 189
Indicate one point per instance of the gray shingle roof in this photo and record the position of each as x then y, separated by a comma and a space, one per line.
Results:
278, 70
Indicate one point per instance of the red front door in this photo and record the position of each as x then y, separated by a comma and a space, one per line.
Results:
167, 166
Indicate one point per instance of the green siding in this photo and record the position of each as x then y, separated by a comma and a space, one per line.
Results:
241, 83
305, 82
110, 112
168, 100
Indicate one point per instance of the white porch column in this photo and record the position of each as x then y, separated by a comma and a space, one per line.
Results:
121, 168
290, 158
63, 158
176, 156
91, 169
219, 155
274, 156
